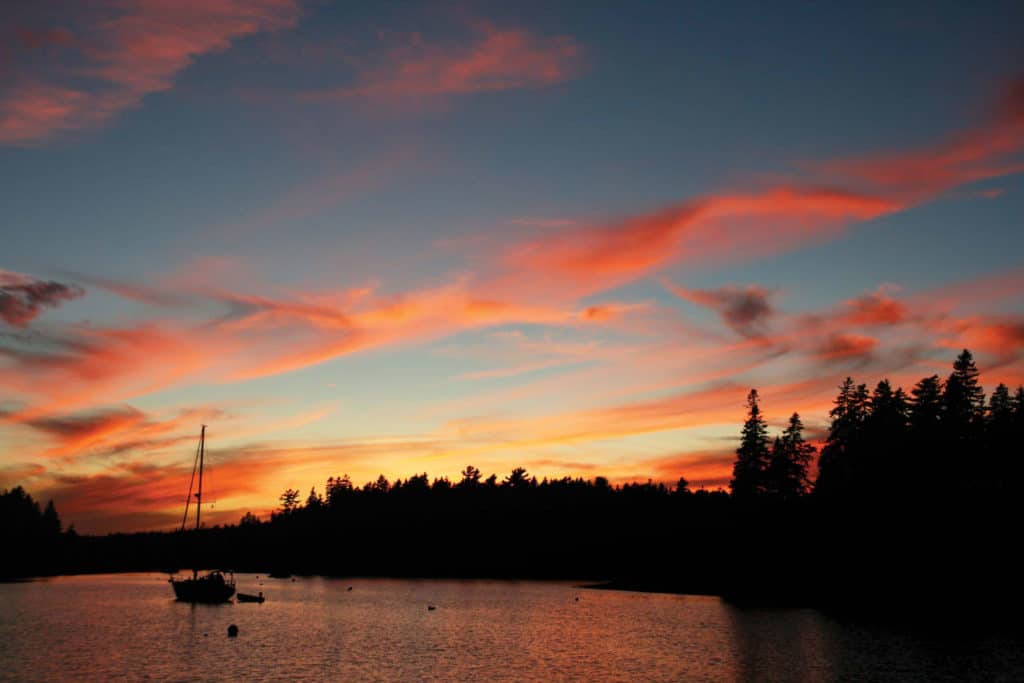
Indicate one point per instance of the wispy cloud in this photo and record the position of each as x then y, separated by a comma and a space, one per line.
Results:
492, 59
114, 54
747, 310
23, 298
979, 153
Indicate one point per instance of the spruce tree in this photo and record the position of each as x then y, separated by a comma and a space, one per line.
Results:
837, 462
748, 472
885, 464
926, 406
790, 460
963, 411
999, 438
963, 401
1000, 406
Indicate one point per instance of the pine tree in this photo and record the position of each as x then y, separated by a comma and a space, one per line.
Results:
999, 438
926, 406
963, 412
837, 462
51, 520
1000, 406
885, 464
748, 472
963, 401
1018, 408
790, 460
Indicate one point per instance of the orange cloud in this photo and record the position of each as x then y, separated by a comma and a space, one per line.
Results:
999, 336
91, 366
839, 346
737, 226
499, 59
133, 49
875, 308
983, 152
117, 430
716, 227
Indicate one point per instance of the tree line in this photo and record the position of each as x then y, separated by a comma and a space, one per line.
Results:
32, 536
942, 437
908, 485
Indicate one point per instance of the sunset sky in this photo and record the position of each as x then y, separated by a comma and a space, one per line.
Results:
406, 237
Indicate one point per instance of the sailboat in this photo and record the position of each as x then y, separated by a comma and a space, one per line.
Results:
212, 587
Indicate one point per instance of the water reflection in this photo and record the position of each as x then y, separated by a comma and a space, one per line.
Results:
127, 627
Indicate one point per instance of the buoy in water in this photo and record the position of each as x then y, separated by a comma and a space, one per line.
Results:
232, 631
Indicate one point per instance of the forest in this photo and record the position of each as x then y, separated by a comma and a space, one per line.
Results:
913, 490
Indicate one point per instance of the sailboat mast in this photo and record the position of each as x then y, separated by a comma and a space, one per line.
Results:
199, 493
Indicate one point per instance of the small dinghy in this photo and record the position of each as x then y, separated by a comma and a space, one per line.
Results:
245, 597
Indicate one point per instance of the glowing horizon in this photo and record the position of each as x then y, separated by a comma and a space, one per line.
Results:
571, 241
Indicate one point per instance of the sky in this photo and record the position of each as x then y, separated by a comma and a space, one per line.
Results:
395, 237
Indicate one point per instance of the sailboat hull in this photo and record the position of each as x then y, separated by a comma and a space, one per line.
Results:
210, 589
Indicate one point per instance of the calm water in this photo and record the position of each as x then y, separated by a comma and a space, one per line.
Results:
127, 627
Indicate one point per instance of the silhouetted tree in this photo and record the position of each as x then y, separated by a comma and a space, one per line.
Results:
926, 405
30, 538
338, 488
380, 486
519, 478
289, 501
787, 473
836, 467
752, 456
50, 520
963, 400
1000, 406
963, 410
470, 477
682, 486
882, 463
924, 434
1000, 438
249, 519
417, 484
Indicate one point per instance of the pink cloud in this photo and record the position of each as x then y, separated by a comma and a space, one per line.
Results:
839, 346
875, 308
496, 59
716, 228
982, 152
130, 49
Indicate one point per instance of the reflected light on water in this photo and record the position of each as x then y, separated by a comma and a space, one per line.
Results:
127, 627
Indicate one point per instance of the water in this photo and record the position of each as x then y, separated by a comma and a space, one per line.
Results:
127, 627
